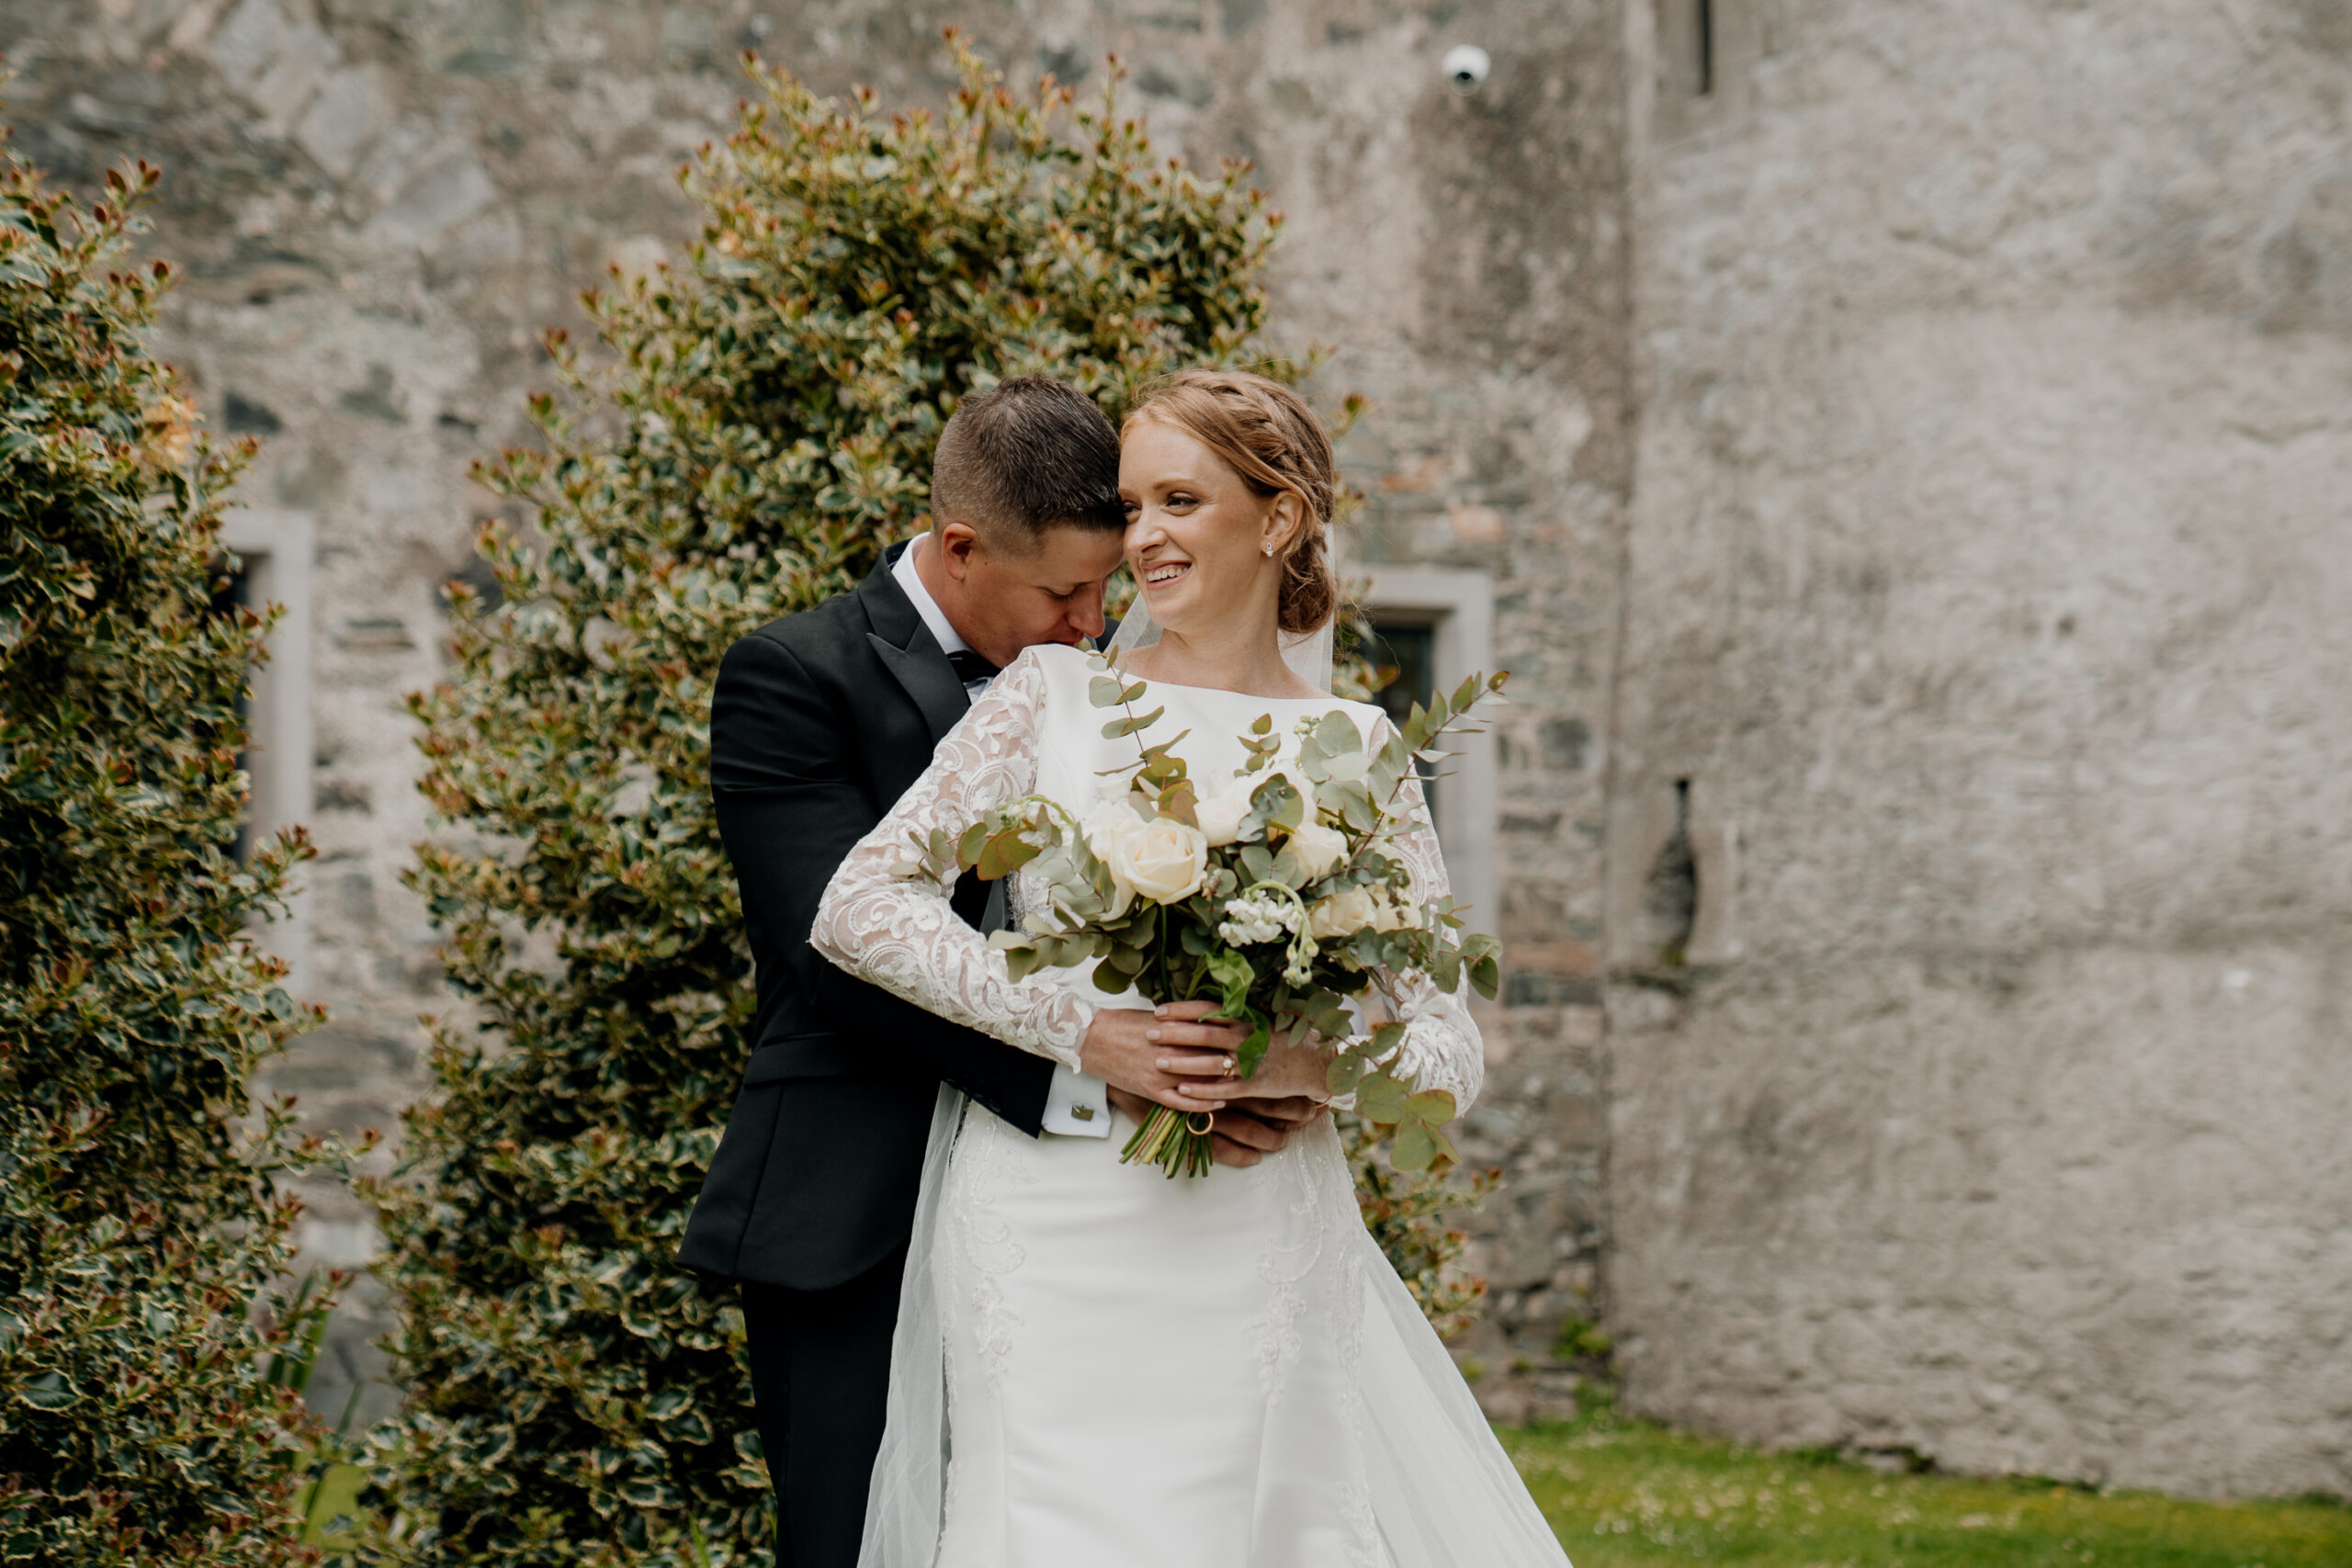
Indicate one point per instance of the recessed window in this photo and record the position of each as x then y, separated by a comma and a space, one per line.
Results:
268, 562
1435, 626
1702, 48
1407, 646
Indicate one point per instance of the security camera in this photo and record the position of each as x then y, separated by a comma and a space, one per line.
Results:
1466, 66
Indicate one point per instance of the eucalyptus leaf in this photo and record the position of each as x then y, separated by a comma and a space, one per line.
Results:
1337, 734
1434, 1106
1414, 1149
1120, 728
1381, 1099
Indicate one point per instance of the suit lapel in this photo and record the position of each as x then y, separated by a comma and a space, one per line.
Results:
916, 663
910, 652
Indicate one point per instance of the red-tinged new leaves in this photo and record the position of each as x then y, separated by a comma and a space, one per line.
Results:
146, 1356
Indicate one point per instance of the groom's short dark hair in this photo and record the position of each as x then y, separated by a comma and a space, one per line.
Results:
1028, 453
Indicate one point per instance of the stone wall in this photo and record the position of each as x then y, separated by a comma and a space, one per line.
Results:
384, 202
1990, 564
1908, 442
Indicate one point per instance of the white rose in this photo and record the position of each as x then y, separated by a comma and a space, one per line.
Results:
1344, 913
1320, 851
1105, 828
1111, 820
1162, 859
1220, 817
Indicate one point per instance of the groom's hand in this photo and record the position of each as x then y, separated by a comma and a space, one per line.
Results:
1244, 1132
1151, 1054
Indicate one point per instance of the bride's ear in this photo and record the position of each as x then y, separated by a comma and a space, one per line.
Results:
1281, 530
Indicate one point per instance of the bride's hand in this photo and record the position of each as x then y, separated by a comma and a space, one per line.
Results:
1296, 1065
1152, 1055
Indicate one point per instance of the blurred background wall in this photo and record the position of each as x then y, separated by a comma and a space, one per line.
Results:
1902, 450
1988, 619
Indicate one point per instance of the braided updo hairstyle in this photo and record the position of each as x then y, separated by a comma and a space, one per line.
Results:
1265, 433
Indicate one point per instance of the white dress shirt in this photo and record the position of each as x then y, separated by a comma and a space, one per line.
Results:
1078, 1105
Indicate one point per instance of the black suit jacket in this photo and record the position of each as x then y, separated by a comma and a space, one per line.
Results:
819, 723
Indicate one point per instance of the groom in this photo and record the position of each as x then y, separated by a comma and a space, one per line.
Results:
820, 722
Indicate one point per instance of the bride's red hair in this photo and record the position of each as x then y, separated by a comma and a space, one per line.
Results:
1266, 433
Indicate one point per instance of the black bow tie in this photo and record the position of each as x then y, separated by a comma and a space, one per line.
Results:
971, 667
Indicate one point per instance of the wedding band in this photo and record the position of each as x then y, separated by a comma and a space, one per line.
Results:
1232, 1068
1208, 1122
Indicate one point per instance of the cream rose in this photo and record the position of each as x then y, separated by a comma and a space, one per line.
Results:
1344, 913
1396, 912
1106, 828
1163, 860
1220, 817
1320, 851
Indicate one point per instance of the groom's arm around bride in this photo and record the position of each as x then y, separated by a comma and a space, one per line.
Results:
820, 722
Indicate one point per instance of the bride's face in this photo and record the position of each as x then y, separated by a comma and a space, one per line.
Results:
1196, 532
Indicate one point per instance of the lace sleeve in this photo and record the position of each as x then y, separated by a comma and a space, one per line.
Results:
900, 933
1443, 1048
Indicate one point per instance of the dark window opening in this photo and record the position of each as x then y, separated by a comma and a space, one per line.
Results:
1705, 41
1405, 652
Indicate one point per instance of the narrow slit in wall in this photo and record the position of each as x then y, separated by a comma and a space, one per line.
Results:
1670, 900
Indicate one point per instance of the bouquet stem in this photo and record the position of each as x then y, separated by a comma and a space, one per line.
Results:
1168, 1140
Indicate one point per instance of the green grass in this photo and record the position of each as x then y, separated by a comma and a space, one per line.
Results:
330, 1496
1625, 1494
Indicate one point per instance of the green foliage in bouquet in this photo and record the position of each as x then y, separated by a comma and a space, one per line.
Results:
760, 425
145, 1412
1281, 893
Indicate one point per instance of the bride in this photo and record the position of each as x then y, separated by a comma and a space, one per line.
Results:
1096, 1366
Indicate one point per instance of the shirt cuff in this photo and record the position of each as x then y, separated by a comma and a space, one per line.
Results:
1076, 1106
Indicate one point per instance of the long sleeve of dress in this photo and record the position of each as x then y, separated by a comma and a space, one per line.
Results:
900, 933
1443, 1048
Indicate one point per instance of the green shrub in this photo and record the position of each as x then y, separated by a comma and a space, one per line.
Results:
759, 424
145, 1415
1404, 1212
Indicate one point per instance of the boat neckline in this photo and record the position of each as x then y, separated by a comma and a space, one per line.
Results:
1229, 692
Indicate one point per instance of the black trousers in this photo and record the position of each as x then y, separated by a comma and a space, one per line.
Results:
820, 1371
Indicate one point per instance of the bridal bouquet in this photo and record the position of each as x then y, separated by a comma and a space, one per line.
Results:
1278, 892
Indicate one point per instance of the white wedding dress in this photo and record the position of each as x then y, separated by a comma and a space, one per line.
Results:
1096, 1366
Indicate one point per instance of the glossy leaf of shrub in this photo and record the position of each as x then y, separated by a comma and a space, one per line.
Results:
149, 1365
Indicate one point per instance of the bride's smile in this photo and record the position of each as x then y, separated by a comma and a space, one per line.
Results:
1211, 551
1206, 546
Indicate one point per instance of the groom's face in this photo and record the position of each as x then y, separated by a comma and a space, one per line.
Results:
1005, 600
